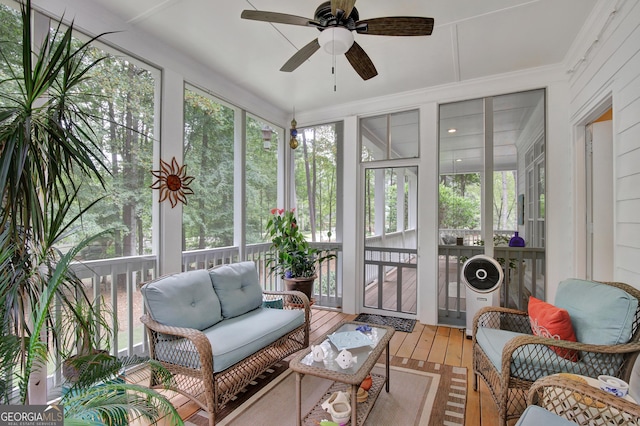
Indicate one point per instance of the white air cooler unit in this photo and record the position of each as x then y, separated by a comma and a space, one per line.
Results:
482, 275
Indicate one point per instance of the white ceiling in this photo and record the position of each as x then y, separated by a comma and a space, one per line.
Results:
471, 39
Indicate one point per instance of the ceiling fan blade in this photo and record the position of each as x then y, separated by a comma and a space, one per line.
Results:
344, 5
300, 56
361, 62
396, 26
278, 18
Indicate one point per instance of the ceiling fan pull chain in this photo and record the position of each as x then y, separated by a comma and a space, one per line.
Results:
333, 71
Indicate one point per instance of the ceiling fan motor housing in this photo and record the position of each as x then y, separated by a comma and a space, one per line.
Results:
326, 19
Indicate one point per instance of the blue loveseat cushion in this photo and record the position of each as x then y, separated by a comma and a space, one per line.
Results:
185, 299
536, 416
600, 314
238, 288
532, 361
232, 340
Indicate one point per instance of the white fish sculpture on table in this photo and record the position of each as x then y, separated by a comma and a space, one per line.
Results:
317, 352
345, 359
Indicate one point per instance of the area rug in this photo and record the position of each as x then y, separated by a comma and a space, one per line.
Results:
421, 393
400, 324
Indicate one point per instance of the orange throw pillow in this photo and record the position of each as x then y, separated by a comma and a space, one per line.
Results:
550, 321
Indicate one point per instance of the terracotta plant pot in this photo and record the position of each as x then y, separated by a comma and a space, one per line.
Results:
304, 285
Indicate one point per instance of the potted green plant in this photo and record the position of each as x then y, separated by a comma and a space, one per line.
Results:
291, 257
46, 149
85, 330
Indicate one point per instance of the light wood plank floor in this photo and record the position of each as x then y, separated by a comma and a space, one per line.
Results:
428, 343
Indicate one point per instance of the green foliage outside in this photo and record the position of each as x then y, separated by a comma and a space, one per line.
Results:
316, 182
456, 211
120, 96
395, 180
459, 206
207, 218
261, 169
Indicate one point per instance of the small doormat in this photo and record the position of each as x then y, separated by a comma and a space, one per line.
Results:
400, 324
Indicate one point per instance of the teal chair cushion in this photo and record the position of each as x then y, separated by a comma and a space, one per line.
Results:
600, 314
238, 288
186, 299
537, 416
530, 362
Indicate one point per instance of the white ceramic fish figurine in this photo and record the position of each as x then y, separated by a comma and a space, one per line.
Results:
345, 359
318, 353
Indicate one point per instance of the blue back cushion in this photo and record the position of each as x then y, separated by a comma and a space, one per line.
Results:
600, 314
186, 299
237, 287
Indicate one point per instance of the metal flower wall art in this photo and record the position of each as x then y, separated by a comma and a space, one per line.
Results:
173, 182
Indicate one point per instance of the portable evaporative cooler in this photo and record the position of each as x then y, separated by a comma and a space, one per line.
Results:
482, 275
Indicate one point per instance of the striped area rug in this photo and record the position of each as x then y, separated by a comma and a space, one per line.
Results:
441, 391
451, 398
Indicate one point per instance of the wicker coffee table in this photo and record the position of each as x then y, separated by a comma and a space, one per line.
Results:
367, 356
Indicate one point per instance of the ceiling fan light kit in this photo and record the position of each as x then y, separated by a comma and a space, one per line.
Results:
336, 40
337, 20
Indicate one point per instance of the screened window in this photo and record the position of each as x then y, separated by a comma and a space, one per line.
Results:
261, 173
316, 160
10, 34
491, 171
390, 136
120, 93
207, 219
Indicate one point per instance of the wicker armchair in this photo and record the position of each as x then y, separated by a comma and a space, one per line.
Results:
578, 402
516, 359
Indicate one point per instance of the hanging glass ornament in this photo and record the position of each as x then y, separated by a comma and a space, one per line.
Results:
293, 142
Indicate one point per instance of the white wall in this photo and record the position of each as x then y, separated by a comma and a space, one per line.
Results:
611, 70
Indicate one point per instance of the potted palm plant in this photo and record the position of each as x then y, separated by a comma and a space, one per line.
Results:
84, 330
46, 148
291, 257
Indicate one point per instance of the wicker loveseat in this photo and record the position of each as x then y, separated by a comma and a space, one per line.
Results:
509, 358
210, 329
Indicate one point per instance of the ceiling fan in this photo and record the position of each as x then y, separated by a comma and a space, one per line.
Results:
336, 20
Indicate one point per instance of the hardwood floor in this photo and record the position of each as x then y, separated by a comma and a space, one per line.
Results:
443, 345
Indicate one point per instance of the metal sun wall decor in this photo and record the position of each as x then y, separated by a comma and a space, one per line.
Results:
173, 182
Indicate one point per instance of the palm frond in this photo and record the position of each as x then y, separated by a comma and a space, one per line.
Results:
103, 391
